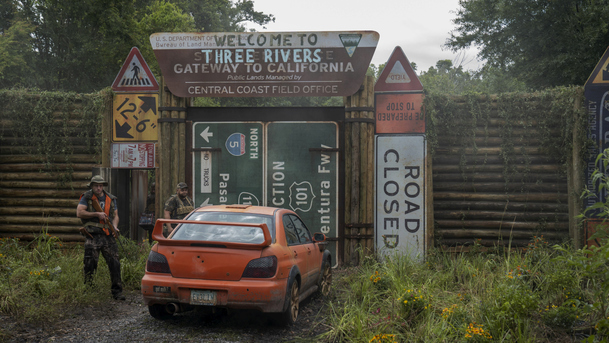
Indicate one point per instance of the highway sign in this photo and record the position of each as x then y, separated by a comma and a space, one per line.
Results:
302, 173
227, 163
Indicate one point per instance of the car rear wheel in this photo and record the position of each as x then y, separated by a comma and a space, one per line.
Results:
289, 316
326, 279
159, 312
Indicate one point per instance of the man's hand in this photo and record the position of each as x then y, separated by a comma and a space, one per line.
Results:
101, 215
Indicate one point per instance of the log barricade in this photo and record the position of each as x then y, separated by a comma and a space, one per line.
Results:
40, 183
358, 235
498, 186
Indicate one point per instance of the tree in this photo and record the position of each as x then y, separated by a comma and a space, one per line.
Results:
223, 15
80, 45
545, 43
16, 56
448, 79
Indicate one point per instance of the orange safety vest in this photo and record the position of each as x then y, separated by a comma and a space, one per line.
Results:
107, 208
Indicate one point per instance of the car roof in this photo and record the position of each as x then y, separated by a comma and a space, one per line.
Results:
238, 208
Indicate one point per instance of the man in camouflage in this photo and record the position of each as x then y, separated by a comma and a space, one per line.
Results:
98, 234
179, 205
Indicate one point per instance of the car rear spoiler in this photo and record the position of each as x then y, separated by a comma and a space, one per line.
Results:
157, 235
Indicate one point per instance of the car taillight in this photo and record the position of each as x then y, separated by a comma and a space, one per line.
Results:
264, 267
157, 263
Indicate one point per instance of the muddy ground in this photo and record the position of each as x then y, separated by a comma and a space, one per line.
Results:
129, 321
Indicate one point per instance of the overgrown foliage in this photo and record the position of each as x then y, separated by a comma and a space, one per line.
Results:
42, 280
544, 43
498, 295
80, 45
48, 125
553, 113
449, 79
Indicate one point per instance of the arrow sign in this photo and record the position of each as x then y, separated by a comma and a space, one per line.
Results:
149, 103
122, 131
206, 134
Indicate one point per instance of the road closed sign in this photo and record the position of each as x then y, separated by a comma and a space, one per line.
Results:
400, 195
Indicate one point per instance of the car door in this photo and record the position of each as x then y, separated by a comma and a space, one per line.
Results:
312, 252
298, 250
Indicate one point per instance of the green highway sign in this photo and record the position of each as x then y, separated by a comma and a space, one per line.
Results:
227, 163
302, 173
290, 165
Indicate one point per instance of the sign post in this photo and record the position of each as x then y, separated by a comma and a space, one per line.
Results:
401, 155
134, 114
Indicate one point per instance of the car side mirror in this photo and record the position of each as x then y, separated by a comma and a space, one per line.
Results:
319, 237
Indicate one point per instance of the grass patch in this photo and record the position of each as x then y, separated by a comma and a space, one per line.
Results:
541, 294
41, 281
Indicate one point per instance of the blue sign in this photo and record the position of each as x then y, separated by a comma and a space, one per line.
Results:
596, 92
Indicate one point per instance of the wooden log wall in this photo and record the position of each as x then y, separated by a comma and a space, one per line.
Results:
171, 150
358, 235
494, 182
39, 191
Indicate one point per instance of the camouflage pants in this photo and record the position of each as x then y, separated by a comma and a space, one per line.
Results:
107, 246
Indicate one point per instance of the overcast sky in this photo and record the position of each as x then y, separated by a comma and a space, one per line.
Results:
420, 27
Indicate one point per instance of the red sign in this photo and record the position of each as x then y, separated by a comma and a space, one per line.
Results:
398, 75
135, 76
264, 64
133, 155
400, 113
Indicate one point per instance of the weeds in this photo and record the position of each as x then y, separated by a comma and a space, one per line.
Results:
541, 294
43, 279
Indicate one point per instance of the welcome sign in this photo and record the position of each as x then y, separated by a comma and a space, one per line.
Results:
259, 64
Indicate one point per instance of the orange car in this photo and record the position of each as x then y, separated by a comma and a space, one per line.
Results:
236, 256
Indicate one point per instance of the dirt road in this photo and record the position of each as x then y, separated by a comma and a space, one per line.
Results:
129, 321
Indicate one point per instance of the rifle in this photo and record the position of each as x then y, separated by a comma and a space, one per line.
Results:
114, 231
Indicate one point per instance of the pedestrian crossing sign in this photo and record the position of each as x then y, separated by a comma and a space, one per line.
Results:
135, 76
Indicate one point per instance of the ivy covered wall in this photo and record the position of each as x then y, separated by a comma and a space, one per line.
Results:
49, 143
503, 166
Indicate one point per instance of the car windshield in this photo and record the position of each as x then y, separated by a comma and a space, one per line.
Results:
225, 233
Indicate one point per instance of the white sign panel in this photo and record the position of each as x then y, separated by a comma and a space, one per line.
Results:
400, 195
133, 155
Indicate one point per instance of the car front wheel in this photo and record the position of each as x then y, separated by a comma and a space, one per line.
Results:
326, 279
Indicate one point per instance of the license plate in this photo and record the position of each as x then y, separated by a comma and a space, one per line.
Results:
198, 297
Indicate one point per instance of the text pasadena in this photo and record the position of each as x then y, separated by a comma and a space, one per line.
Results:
332, 67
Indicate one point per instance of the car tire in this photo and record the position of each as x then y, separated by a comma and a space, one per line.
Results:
289, 316
325, 281
159, 312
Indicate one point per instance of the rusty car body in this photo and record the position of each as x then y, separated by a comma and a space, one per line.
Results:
239, 257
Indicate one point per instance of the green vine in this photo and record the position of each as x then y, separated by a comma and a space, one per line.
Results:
548, 112
517, 124
48, 125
